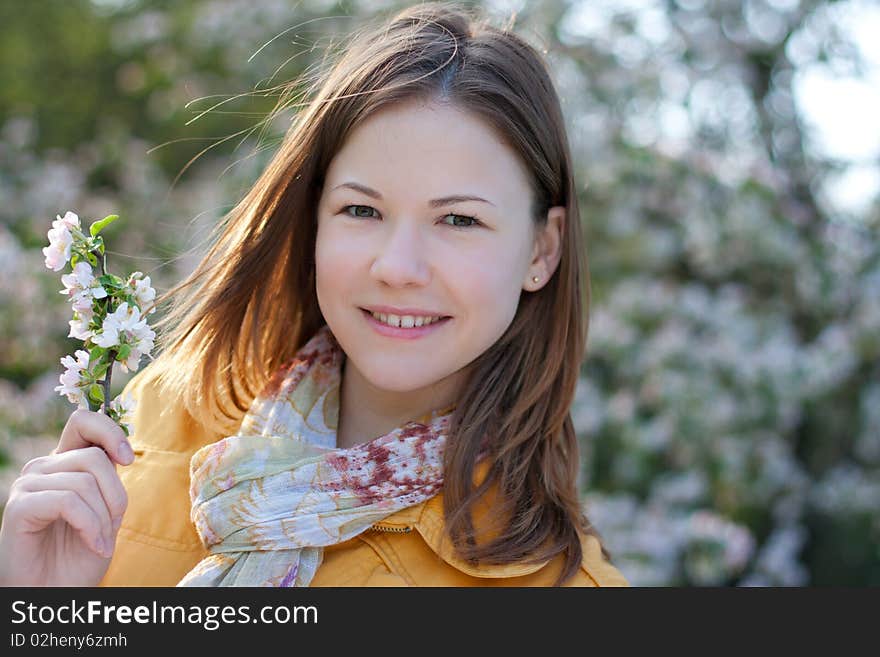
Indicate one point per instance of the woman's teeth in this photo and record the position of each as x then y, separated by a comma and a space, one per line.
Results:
407, 321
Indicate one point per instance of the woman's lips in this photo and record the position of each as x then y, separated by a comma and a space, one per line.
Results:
403, 333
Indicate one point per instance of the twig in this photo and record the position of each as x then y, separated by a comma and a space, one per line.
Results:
111, 353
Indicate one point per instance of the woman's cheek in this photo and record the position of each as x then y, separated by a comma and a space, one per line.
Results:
487, 301
331, 271
335, 251
492, 278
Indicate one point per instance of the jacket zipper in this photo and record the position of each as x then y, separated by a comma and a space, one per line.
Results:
393, 530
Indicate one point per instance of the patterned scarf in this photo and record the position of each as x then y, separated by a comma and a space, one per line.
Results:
266, 500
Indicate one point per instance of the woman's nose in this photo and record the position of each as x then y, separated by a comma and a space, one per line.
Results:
401, 259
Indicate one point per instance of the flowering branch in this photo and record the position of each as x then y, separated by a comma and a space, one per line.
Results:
107, 317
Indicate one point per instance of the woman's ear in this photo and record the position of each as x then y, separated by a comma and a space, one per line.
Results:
547, 250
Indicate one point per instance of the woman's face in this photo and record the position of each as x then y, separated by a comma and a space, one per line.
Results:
397, 248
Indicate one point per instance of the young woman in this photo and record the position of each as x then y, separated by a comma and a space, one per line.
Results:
367, 380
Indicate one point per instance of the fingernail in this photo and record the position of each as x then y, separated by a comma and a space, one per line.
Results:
102, 548
126, 454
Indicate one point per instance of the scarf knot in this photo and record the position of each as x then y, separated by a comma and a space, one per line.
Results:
267, 500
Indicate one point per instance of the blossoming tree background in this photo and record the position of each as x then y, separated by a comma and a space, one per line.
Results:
729, 408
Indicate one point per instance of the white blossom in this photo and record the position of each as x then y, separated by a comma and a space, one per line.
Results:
124, 407
72, 378
70, 220
132, 363
60, 240
143, 293
79, 325
126, 327
82, 286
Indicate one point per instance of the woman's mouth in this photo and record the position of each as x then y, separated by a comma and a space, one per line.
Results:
404, 331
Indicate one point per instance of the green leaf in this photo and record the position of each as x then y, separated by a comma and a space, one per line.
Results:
93, 260
124, 352
96, 393
96, 354
73, 260
98, 226
101, 370
109, 281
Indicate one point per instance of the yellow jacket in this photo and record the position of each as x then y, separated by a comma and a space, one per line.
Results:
157, 543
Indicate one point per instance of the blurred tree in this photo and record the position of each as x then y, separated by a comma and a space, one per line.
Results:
729, 402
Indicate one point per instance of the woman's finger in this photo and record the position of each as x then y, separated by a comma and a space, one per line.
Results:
43, 507
93, 461
84, 484
86, 428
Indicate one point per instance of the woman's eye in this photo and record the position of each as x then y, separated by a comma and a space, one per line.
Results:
473, 220
357, 208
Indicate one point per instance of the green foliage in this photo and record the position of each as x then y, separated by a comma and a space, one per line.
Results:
98, 226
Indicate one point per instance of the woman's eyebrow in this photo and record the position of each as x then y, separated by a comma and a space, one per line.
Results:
434, 203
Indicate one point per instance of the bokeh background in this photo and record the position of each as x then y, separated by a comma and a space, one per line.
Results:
727, 164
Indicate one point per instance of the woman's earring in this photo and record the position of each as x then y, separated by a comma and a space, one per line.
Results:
535, 279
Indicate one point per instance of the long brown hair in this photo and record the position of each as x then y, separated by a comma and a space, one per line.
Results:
251, 302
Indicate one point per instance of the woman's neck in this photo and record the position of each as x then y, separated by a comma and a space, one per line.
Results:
367, 412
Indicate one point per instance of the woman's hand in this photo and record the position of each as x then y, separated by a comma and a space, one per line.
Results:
63, 512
